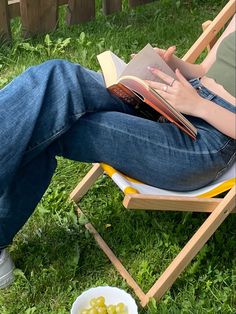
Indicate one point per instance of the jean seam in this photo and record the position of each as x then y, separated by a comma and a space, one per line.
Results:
219, 173
224, 145
63, 129
154, 143
55, 135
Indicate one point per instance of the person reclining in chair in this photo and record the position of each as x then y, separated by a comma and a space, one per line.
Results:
62, 109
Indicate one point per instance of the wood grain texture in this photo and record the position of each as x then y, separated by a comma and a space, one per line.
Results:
82, 188
134, 3
170, 203
5, 31
38, 16
14, 7
111, 6
80, 11
214, 40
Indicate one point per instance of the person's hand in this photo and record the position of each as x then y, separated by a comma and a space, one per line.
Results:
179, 93
166, 55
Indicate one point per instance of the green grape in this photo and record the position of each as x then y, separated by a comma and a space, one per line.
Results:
93, 310
111, 309
102, 310
100, 301
85, 312
98, 306
93, 302
120, 307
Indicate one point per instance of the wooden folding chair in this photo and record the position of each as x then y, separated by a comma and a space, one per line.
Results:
141, 196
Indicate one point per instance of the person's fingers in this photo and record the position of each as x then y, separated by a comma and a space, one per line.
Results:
159, 51
155, 85
165, 77
181, 78
160, 86
167, 96
169, 52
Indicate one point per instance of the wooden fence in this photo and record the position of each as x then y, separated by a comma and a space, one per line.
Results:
41, 16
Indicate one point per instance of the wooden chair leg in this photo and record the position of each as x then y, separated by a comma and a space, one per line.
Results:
115, 261
193, 246
82, 188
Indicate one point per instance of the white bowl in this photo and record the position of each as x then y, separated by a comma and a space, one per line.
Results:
112, 295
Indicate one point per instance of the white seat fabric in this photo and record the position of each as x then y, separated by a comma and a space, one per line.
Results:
129, 185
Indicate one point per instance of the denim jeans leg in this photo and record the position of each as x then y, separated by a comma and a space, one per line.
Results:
22, 195
158, 154
35, 109
43, 103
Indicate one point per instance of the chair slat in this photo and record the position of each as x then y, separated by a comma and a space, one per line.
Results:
82, 188
170, 203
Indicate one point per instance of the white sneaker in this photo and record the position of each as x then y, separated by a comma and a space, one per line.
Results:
6, 269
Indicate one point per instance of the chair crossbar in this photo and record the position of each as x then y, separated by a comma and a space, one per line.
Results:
170, 203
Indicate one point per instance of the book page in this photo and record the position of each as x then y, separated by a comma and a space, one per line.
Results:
138, 66
112, 67
155, 100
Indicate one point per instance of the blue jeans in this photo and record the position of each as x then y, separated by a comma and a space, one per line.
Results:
62, 109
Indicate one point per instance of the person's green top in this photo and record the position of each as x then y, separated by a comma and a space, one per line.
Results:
224, 68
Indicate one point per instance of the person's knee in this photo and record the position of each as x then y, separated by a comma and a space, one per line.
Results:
60, 71
59, 65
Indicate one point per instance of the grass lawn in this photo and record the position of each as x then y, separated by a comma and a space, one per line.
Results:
56, 259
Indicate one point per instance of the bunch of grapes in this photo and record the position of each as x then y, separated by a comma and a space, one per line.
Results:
98, 306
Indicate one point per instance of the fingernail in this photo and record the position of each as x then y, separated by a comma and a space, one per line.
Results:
150, 68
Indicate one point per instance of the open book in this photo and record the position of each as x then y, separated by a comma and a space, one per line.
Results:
127, 81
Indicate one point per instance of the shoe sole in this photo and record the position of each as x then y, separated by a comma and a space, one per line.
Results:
6, 280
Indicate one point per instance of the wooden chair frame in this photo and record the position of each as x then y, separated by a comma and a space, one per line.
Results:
219, 208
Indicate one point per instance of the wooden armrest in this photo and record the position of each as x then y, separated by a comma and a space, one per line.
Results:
214, 40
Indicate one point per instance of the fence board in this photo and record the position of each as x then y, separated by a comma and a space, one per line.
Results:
111, 6
80, 11
134, 3
14, 7
38, 16
5, 31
